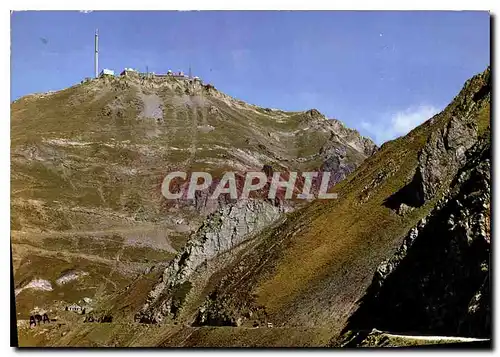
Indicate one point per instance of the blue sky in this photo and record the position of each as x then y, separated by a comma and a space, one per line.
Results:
381, 73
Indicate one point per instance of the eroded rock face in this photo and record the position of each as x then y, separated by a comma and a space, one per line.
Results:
221, 231
437, 282
443, 154
337, 162
352, 137
387, 267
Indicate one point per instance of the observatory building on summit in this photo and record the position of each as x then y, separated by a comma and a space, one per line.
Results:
134, 72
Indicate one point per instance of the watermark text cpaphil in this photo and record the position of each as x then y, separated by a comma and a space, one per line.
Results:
253, 184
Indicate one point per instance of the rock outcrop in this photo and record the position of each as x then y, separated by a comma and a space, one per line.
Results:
444, 152
220, 232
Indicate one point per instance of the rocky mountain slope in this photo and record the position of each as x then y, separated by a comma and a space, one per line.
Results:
404, 249
87, 164
312, 268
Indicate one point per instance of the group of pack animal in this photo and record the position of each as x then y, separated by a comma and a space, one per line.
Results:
38, 318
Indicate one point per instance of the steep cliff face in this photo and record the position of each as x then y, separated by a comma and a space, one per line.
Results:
437, 283
445, 150
438, 280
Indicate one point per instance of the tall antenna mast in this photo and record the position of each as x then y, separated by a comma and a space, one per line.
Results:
96, 54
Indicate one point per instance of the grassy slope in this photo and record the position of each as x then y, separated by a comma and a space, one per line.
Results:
327, 266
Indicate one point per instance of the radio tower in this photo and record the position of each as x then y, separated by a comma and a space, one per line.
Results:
96, 54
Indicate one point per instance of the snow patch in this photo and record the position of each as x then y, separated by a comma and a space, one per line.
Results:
70, 276
36, 284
